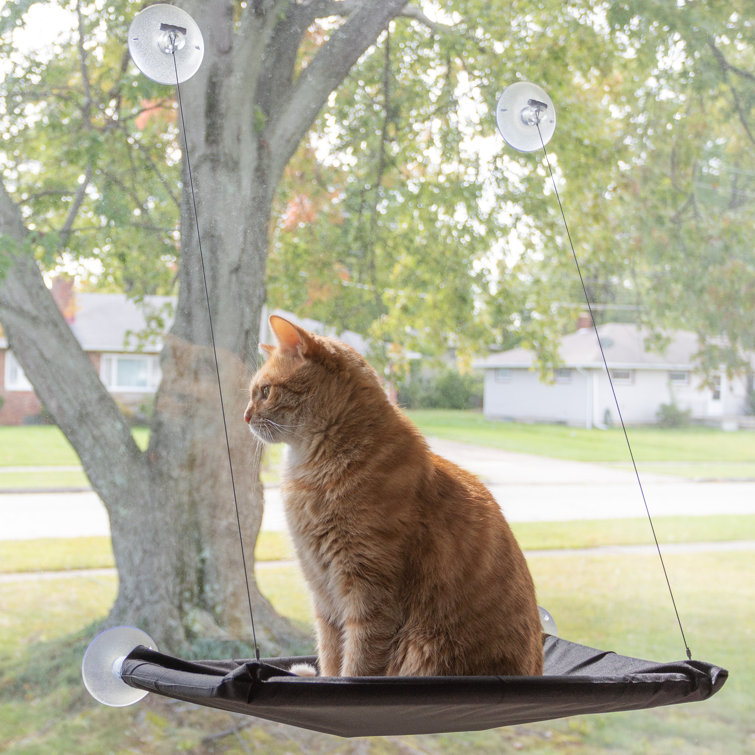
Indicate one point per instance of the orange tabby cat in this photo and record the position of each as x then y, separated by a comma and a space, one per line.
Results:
412, 567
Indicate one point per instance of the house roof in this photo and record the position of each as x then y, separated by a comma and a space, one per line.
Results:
623, 344
113, 322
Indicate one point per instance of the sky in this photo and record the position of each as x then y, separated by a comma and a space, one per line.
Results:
43, 25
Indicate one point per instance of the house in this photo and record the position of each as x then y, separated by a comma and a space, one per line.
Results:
579, 392
113, 330
123, 340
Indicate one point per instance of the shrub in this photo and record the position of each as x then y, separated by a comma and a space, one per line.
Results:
42, 418
670, 415
448, 389
137, 415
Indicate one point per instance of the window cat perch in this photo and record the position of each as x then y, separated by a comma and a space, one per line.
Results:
576, 680
121, 665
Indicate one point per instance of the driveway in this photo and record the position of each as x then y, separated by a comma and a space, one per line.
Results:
528, 488
535, 488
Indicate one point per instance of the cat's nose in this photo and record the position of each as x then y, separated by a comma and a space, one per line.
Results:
248, 413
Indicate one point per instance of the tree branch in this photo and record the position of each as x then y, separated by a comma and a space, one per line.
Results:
78, 200
725, 65
324, 73
725, 68
11, 222
153, 166
343, 8
87, 106
254, 34
415, 13
331, 8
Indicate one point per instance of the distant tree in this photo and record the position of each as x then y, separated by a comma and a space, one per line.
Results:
687, 199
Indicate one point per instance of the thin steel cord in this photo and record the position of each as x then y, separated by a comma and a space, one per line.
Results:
215, 355
613, 392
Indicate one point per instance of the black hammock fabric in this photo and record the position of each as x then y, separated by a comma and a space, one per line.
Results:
576, 680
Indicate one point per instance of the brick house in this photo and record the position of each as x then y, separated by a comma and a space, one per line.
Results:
121, 337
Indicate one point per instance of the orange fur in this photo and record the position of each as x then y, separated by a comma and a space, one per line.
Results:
412, 567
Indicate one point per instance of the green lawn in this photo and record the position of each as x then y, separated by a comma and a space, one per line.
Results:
48, 478
44, 446
62, 554
650, 444
40, 457
609, 601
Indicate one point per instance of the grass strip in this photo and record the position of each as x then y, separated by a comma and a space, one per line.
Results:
605, 532
49, 478
64, 554
45, 445
61, 554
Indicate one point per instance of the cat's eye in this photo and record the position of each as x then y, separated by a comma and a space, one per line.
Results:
265, 391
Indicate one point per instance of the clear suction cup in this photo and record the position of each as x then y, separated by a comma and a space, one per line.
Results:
548, 622
101, 667
521, 109
160, 32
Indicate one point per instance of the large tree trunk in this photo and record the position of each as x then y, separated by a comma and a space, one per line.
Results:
172, 511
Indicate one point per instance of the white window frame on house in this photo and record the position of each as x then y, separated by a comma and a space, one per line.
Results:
622, 377
563, 375
111, 374
15, 378
503, 375
678, 377
716, 387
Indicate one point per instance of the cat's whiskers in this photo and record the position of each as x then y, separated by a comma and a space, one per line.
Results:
270, 430
285, 427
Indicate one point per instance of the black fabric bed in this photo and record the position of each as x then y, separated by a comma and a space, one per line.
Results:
576, 680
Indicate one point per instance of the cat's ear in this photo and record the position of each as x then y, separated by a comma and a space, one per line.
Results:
291, 338
267, 348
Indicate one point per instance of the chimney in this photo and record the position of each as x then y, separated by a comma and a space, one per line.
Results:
65, 296
584, 321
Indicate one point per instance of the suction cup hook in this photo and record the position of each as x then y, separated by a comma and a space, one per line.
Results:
521, 109
101, 667
548, 622
158, 34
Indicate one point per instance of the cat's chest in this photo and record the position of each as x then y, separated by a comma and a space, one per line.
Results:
317, 522
328, 534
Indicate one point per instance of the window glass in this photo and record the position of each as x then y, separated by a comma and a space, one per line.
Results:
622, 376
132, 372
15, 379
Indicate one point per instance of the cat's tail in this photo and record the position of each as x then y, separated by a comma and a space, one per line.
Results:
303, 669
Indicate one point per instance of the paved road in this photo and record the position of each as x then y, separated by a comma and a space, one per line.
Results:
528, 488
